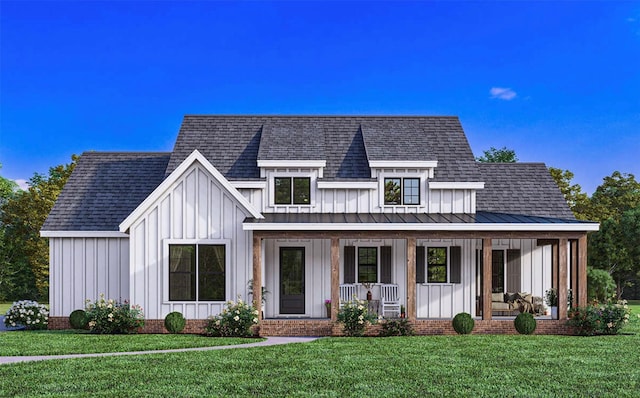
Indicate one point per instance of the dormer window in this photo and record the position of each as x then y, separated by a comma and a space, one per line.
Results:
401, 191
292, 190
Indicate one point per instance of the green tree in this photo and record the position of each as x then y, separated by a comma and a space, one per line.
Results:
577, 200
600, 285
614, 248
502, 155
25, 255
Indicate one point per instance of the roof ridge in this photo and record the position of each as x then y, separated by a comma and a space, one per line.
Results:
323, 116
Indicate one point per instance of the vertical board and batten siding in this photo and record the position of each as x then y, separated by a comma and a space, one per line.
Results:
197, 207
85, 268
445, 300
362, 200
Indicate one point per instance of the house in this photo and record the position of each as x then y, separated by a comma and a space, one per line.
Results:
303, 205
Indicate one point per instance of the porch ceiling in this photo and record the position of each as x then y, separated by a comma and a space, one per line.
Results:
480, 222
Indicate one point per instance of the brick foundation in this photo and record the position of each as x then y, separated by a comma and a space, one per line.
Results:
324, 327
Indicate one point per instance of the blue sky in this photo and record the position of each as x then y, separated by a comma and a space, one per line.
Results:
557, 82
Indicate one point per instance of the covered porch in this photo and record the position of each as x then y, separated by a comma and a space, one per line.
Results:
565, 246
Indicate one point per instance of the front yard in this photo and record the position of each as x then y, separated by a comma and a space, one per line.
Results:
472, 365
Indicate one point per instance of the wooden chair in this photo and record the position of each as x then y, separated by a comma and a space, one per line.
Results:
347, 293
389, 300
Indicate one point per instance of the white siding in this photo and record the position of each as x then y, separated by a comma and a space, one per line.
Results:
196, 208
84, 268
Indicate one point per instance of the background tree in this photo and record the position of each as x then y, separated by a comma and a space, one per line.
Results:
614, 248
25, 255
502, 155
577, 200
7, 190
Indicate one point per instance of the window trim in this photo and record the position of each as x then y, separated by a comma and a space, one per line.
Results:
291, 178
165, 268
448, 265
402, 189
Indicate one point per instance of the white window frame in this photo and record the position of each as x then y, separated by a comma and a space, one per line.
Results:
312, 176
422, 192
165, 268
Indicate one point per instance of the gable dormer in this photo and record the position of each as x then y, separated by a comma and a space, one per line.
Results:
291, 159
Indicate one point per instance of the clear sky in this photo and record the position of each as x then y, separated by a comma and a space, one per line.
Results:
558, 82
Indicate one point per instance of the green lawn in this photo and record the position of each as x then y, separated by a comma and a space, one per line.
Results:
474, 366
4, 307
70, 342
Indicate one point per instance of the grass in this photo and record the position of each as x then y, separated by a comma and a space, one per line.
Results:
54, 342
4, 307
471, 365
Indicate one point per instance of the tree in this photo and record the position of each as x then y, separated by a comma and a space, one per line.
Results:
25, 255
577, 200
614, 248
502, 155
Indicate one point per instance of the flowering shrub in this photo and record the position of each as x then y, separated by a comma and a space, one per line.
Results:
27, 313
597, 318
354, 316
235, 320
113, 317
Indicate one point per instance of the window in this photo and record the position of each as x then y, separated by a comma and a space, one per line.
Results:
197, 272
401, 191
367, 264
437, 265
292, 190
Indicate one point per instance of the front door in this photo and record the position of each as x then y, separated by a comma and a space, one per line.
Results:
292, 280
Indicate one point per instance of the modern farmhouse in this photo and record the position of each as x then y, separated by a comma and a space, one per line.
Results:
312, 209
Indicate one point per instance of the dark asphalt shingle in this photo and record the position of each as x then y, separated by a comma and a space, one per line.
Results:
104, 189
521, 188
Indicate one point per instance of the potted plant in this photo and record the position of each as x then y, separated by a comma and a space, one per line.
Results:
327, 305
402, 312
551, 298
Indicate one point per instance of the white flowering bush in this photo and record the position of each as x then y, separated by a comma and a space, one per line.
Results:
355, 316
236, 320
113, 317
27, 313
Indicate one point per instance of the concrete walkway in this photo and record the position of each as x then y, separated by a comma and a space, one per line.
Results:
268, 342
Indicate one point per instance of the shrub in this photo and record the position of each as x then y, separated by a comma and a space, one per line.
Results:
27, 313
600, 284
463, 323
354, 316
595, 319
113, 317
174, 322
525, 323
396, 327
78, 319
235, 320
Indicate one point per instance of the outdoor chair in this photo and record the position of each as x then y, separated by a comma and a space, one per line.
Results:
389, 300
347, 293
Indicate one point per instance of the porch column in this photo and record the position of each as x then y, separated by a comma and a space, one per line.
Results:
486, 278
257, 274
335, 278
582, 270
573, 255
411, 279
563, 267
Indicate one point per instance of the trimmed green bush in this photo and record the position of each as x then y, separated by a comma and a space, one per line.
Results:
396, 327
525, 323
463, 323
78, 319
174, 322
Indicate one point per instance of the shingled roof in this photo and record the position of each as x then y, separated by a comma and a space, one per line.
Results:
521, 188
104, 189
233, 144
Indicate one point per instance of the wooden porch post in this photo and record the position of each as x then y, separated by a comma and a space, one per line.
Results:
574, 272
257, 274
582, 270
563, 267
335, 278
486, 278
411, 279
